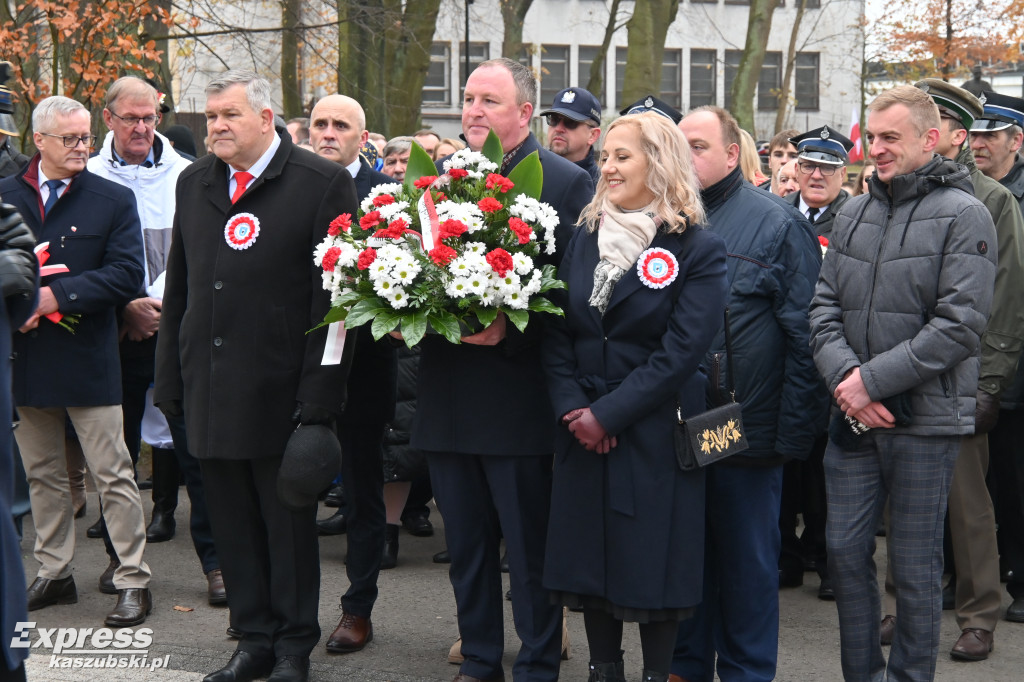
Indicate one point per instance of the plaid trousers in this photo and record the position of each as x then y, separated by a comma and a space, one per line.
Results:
913, 473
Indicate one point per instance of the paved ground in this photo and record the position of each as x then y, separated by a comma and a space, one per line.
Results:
415, 621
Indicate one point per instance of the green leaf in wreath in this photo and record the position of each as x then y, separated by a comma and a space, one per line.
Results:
385, 322
335, 314
543, 305
446, 324
528, 177
347, 299
420, 164
364, 311
486, 316
492, 148
414, 326
519, 318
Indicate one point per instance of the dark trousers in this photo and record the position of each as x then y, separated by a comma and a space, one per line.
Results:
803, 492
480, 498
269, 557
199, 518
362, 471
1006, 467
738, 620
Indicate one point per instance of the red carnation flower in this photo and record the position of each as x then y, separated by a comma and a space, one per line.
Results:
366, 258
500, 182
440, 196
340, 224
383, 200
370, 220
442, 254
489, 205
424, 181
458, 173
823, 241
331, 258
500, 261
451, 228
522, 230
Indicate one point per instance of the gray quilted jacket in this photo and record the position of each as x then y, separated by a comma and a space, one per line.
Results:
904, 293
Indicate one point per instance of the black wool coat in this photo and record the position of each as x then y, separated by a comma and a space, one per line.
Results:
233, 343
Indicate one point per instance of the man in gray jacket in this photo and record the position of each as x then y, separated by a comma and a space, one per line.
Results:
898, 312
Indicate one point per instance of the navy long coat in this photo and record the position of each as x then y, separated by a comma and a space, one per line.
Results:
629, 526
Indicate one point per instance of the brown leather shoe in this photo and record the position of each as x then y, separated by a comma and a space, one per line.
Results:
886, 630
974, 644
676, 678
133, 605
215, 592
107, 578
352, 634
44, 592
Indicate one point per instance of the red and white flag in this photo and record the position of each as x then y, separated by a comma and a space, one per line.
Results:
857, 153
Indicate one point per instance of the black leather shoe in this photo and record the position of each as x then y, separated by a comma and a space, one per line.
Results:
133, 605
825, 591
290, 669
335, 497
442, 557
107, 578
1015, 611
234, 633
161, 528
389, 559
418, 525
791, 578
44, 592
145, 485
95, 531
243, 667
332, 525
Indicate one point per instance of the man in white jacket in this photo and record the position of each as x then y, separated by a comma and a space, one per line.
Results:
136, 156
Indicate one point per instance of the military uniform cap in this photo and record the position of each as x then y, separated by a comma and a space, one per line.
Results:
577, 104
1001, 112
952, 100
652, 103
823, 145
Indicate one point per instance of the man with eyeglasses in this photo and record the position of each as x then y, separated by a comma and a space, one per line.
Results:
821, 165
133, 154
574, 125
91, 226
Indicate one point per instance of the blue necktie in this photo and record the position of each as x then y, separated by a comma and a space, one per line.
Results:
54, 185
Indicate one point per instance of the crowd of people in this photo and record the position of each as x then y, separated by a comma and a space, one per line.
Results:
866, 325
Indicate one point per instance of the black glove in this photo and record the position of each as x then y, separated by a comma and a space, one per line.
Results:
17, 272
171, 408
986, 412
312, 414
14, 233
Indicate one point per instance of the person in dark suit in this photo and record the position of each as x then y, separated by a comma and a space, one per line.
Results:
19, 280
337, 130
618, 364
821, 165
92, 227
233, 353
485, 421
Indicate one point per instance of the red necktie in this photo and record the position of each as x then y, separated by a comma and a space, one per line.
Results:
242, 180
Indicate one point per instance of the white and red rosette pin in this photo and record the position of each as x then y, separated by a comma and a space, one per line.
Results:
241, 231
657, 268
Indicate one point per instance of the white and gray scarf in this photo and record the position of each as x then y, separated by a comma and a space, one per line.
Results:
621, 237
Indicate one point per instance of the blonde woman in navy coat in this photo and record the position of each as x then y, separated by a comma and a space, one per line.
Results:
646, 293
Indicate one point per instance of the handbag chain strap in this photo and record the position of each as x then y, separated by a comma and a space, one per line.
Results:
729, 386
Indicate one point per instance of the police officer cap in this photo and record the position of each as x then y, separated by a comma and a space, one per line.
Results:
952, 100
312, 460
1001, 112
824, 145
577, 104
652, 103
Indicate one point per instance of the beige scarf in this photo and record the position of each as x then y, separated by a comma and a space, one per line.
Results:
621, 237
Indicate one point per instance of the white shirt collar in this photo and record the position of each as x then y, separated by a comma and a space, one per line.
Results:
353, 168
261, 164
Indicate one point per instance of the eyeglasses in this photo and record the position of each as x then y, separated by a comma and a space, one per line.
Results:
71, 141
133, 121
809, 168
555, 119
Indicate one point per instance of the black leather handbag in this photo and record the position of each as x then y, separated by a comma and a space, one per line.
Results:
713, 435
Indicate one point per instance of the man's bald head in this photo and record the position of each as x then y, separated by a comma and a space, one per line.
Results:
337, 128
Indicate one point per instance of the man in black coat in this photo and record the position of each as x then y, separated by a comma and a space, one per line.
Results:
485, 420
233, 353
92, 229
337, 130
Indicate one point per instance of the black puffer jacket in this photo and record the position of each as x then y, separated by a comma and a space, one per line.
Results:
403, 462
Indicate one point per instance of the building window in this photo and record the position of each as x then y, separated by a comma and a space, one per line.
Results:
732, 65
554, 71
585, 59
436, 86
478, 52
703, 78
769, 83
620, 75
806, 79
671, 72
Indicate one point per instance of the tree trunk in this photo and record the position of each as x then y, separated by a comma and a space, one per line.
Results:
596, 82
411, 52
158, 31
783, 111
513, 14
745, 82
291, 84
646, 31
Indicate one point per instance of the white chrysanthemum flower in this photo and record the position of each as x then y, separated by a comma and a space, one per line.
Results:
533, 285
405, 273
458, 287
460, 267
523, 263
384, 286
487, 298
470, 160
517, 300
397, 297
478, 283
510, 282
395, 211
475, 248
349, 255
